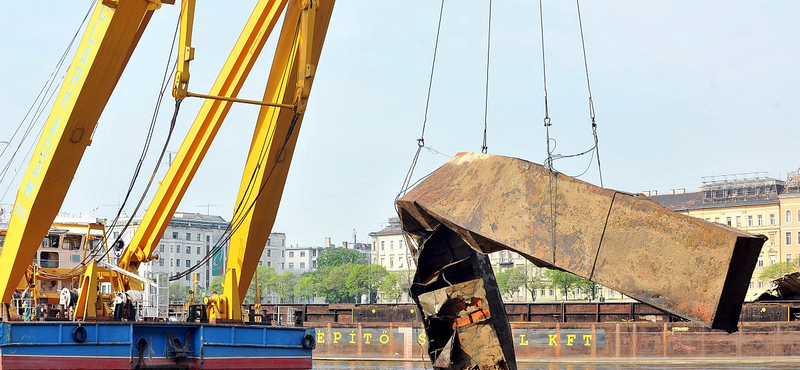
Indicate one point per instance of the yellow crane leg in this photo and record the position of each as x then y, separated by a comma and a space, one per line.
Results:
104, 50
201, 134
270, 155
87, 299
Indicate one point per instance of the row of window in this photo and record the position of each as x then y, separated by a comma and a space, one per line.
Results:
175, 263
291, 264
391, 245
188, 236
774, 259
173, 249
760, 219
291, 253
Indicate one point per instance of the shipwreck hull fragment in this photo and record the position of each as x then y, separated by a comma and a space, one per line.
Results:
683, 265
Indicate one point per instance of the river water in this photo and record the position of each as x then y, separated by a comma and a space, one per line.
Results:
682, 365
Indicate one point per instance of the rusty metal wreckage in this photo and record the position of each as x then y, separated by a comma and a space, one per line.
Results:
473, 205
479, 203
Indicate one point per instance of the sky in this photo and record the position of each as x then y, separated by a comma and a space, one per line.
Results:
682, 90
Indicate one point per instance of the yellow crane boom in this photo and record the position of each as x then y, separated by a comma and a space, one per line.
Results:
112, 33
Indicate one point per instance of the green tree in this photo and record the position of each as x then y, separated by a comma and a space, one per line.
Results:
307, 286
587, 287
777, 270
215, 285
260, 279
394, 285
283, 285
178, 292
534, 278
562, 280
332, 257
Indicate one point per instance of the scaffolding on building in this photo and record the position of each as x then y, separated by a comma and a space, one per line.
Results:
792, 184
739, 188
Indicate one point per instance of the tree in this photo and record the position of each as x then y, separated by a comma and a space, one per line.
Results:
283, 285
394, 285
215, 285
332, 257
178, 292
562, 280
260, 279
534, 278
587, 287
307, 285
504, 281
777, 270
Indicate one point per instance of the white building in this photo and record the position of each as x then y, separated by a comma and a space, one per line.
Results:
389, 249
187, 239
301, 259
274, 251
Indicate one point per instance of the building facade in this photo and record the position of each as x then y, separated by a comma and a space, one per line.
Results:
187, 240
749, 202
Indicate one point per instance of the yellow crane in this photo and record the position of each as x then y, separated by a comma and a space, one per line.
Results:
107, 44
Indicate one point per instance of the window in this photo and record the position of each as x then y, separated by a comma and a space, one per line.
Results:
171, 262
788, 238
760, 261
188, 263
198, 237
269, 241
760, 220
749, 220
391, 262
773, 260
161, 263
788, 216
208, 238
383, 245
314, 264
116, 234
174, 235
391, 245
74, 258
400, 243
188, 277
772, 219
188, 236
283, 253
716, 219
198, 250
283, 243
788, 258
172, 248
729, 221
178, 249
302, 254
751, 285
314, 252
161, 248
738, 221
178, 262
760, 284
188, 249
269, 252
269, 264
302, 265
291, 265
291, 254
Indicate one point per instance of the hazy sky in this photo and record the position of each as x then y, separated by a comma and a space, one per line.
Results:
682, 89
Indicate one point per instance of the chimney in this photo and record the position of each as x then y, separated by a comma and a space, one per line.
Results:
327, 242
654, 192
681, 191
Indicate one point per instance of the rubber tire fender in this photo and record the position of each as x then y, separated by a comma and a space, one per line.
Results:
308, 341
79, 334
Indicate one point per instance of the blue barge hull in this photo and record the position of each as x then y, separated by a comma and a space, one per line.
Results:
158, 345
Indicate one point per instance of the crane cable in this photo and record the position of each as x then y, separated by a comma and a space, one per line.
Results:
421, 140
589, 89
42, 104
236, 223
484, 148
93, 255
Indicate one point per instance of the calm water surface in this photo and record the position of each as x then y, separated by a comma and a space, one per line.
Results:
340, 365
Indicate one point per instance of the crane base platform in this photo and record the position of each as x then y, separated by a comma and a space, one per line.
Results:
156, 345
